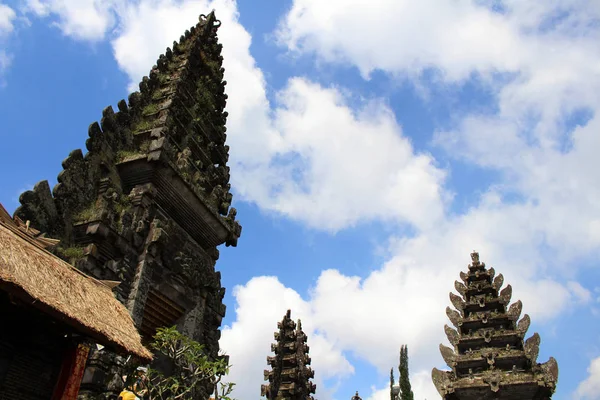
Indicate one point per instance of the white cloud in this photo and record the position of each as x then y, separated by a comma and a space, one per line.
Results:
552, 58
589, 389
352, 165
5, 60
540, 63
405, 37
80, 19
582, 294
7, 17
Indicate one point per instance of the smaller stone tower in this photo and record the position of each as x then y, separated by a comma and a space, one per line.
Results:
490, 358
289, 377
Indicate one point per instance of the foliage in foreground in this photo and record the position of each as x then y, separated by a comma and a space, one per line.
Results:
192, 371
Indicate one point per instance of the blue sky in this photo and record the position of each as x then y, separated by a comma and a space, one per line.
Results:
372, 148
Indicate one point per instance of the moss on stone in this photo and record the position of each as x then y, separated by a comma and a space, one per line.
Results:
144, 125
71, 253
86, 214
150, 109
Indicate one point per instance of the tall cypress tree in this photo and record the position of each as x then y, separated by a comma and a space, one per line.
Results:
405, 389
392, 384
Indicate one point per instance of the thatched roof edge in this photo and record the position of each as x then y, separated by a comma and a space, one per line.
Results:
37, 277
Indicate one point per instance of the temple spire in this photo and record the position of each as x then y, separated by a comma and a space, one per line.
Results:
289, 377
489, 357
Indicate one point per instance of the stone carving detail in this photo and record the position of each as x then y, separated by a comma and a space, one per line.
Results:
454, 317
505, 295
523, 325
550, 369
493, 380
442, 382
460, 288
448, 355
498, 281
452, 335
490, 358
457, 302
532, 347
515, 309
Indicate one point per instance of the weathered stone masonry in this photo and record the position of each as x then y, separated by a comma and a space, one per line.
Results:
149, 202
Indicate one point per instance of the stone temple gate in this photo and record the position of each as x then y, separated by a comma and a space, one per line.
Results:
149, 202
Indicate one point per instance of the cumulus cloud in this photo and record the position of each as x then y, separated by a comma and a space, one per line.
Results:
589, 389
401, 36
340, 166
540, 63
80, 19
7, 16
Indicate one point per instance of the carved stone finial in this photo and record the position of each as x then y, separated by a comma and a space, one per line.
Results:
498, 281
452, 335
514, 311
523, 325
550, 370
448, 355
458, 303
442, 382
532, 347
505, 295
460, 288
454, 317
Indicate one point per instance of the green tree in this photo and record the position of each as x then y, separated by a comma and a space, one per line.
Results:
392, 384
192, 373
405, 389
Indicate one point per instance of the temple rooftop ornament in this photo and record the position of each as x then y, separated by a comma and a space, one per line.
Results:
289, 377
356, 396
489, 358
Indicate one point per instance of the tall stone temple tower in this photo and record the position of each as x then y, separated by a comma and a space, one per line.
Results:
490, 358
289, 377
149, 202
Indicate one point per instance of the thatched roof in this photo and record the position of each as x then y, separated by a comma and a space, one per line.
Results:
33, 275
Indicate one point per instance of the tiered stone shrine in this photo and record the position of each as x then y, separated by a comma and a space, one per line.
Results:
289, 377
489, 358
